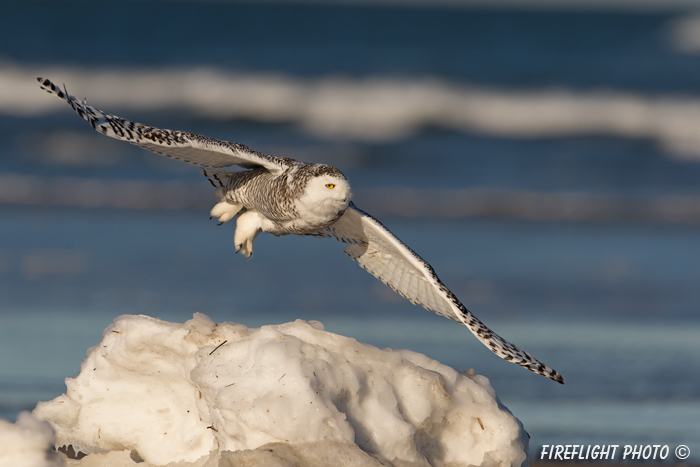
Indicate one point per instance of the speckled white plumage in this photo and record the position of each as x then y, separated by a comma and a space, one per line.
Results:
283, 196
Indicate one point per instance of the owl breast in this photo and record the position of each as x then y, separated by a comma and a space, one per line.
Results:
300, 201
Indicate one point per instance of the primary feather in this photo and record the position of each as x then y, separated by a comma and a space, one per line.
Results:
181, 145
283, 196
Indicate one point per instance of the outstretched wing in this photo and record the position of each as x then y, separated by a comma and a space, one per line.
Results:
384, 256
184, 146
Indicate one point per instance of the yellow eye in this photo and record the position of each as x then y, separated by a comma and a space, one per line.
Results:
330, 186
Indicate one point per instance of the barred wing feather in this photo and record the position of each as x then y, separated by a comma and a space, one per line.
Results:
184, 146
384, 256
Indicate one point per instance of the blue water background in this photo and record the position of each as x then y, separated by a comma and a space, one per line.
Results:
613, 306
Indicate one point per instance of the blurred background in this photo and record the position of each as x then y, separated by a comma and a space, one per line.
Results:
544, 157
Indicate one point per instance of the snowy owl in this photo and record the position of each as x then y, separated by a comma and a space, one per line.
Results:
283, 196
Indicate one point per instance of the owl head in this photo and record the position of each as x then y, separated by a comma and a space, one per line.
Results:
327, 193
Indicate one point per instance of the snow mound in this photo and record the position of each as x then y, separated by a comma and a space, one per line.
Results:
282, 395
27, 443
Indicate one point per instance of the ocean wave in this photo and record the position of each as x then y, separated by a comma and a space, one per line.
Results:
29, 190
683, 33
369, 109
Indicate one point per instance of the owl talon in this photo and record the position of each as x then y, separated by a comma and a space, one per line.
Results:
246, 249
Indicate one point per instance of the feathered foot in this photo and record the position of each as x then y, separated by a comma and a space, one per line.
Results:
248, 226
225, 211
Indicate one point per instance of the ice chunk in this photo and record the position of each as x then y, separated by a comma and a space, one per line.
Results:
288, 394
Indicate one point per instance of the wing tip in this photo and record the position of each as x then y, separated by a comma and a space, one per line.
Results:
48, 86
45, 83
544, 370
554, 376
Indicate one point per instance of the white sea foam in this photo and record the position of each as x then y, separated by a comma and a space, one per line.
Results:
368, 109
289, 394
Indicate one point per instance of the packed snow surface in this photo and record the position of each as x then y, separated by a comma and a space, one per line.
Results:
211, 394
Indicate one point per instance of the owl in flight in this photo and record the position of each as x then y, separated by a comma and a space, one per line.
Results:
283, 196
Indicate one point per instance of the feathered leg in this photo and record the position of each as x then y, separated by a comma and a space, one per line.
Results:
248, 226
224, 210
